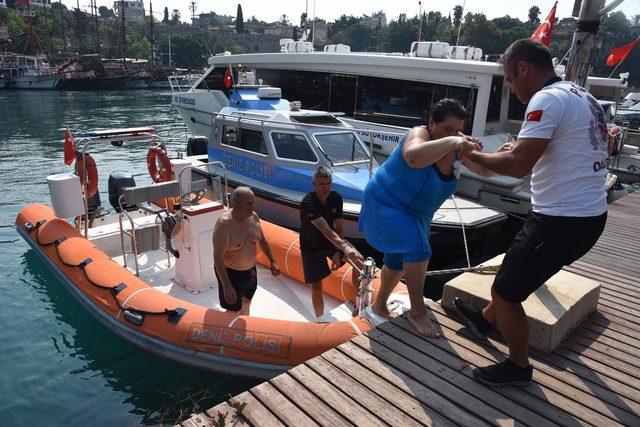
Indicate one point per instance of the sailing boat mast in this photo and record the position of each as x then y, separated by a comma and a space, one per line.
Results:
586, 45
124, 38
153, 40
31, 36
95, 20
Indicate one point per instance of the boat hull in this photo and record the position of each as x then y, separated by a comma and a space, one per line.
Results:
34, 82
202, 337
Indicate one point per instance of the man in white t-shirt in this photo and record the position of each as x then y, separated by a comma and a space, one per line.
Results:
564, 141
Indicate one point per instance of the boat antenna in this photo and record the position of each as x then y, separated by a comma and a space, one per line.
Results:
313, 25
420, 16
464, 3
585, 44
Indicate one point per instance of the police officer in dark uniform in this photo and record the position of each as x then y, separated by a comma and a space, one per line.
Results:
322, 236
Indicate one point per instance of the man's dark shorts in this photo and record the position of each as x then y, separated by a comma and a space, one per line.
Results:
315, 264
244, 282
543, 246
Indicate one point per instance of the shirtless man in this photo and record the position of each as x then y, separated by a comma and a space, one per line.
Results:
235, 238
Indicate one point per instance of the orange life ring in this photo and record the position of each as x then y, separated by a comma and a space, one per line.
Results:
157, 156
92, 173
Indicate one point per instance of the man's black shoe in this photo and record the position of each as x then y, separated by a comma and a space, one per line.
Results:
504, 374
472, 318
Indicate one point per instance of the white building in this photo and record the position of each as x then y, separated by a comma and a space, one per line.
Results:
280, 30
133, 10
376, 20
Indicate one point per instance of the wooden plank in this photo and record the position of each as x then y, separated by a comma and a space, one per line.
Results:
600, 386
339, 401
548, 389
601, 333
198, 420
453, 386
384, 409
227, 412
606, 306
396, 336
286, 411
407, 394
611, 316
254, 411
584, 342
321, 413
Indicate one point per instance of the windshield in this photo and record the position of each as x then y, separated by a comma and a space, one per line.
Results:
342, 147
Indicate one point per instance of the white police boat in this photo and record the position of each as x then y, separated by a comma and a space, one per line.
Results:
273, 147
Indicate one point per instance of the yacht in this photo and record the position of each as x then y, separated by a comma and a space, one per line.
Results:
382, 95
27, 72
273, 147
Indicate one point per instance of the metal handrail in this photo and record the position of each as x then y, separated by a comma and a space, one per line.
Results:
86, 143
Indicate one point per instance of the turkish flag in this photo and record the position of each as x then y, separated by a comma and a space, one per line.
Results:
543, 33
618, 54
69, 147
228, 78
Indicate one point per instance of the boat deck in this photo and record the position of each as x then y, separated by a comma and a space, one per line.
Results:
391, 376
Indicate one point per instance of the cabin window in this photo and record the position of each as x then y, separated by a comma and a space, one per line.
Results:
245, 139
516, 108
495, 99
294, 147
342, 147
406, 103
316, 120
309, 87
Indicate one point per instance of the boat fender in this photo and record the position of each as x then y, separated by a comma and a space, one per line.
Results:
89, 165
159, 164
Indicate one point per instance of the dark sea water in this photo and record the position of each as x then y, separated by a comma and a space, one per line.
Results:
58, 365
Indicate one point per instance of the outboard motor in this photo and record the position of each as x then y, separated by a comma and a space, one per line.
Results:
197, 146
118, 181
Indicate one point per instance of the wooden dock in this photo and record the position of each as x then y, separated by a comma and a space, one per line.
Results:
391, 376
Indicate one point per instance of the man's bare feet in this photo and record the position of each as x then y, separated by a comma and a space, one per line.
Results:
382, 310
423, 325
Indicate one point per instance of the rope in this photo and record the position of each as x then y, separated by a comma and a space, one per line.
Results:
464, 233
489, 269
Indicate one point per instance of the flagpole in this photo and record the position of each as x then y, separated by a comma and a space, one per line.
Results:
420, 17
620, 63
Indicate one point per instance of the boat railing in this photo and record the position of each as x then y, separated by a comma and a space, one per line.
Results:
117, 140
364, 133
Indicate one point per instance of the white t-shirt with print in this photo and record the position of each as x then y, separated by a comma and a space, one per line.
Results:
569, 177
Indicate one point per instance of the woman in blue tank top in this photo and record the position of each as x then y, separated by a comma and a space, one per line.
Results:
400, 200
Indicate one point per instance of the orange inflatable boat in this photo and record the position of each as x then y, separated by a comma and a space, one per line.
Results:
170, 307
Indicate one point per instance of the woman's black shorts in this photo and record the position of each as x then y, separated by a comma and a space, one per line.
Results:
543, 246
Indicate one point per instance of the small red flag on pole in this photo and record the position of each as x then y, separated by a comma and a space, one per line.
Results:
543, 33
228, 78
69, 147
618, 54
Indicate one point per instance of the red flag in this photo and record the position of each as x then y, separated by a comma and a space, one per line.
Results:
618, 54
69, 147
543, 33
228, 78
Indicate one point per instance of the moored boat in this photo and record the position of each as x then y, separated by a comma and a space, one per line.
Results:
274, 148
163, 297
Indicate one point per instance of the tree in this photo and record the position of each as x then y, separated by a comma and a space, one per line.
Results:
534, 13
239, 20
457, 16
165, 18
175, 17
105, 12
284, 19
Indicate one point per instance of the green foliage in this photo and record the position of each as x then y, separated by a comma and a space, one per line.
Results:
239, 20
165, 16
105, 12
175, 17
534, 13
